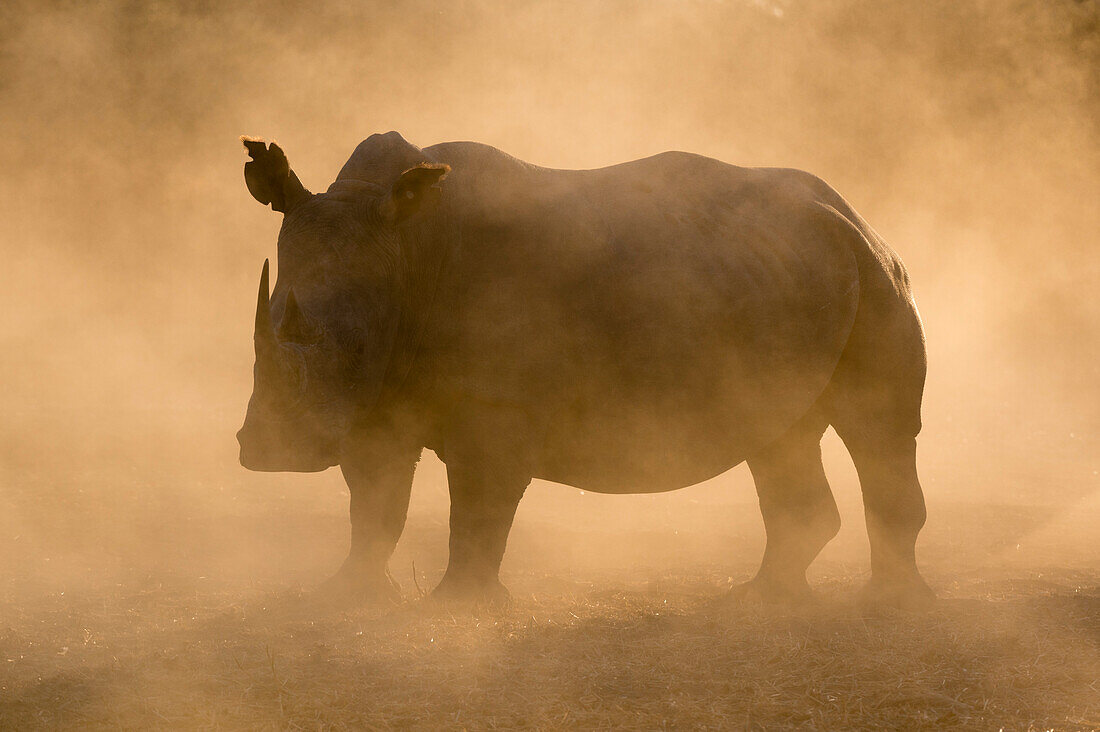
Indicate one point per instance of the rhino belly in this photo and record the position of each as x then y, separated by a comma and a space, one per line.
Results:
660, 407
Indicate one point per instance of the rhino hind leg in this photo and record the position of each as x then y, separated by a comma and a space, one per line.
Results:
893, 505
874, 405
800, 514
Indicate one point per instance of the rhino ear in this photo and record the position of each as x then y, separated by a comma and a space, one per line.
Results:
269, 177
412, 190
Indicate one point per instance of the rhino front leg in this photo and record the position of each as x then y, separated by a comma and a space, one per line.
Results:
379, 477
487, 476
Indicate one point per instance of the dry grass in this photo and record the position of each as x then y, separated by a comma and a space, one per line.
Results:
198, 618
177, 654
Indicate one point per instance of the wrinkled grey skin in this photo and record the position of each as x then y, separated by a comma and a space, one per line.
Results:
630, 329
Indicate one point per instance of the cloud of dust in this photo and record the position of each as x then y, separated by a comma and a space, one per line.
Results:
967, 133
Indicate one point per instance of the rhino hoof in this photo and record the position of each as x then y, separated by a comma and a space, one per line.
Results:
348, 587
759, 591
491, 592
910, 593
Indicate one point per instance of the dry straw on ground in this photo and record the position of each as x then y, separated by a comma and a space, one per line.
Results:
992, 654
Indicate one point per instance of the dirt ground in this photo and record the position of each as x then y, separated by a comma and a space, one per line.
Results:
607, 629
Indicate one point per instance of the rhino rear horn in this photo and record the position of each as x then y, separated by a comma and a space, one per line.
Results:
269, 177
296, 326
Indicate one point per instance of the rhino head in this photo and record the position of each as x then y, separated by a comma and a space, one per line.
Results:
323, 336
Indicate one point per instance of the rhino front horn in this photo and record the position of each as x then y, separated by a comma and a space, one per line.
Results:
265, 331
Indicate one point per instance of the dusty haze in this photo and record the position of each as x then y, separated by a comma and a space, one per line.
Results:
967, 133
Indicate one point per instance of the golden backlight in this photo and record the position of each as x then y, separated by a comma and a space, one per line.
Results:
146, 579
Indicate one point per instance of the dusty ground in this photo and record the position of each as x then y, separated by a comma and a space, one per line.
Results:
1012, 655
632, 638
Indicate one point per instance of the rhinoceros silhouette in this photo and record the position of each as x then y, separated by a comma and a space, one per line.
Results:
635, 328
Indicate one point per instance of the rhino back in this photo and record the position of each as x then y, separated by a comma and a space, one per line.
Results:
659, 319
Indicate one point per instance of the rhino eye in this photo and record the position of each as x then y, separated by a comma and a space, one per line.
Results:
354, 341
296, 372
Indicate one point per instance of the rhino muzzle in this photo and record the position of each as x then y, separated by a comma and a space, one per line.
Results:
269, 452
